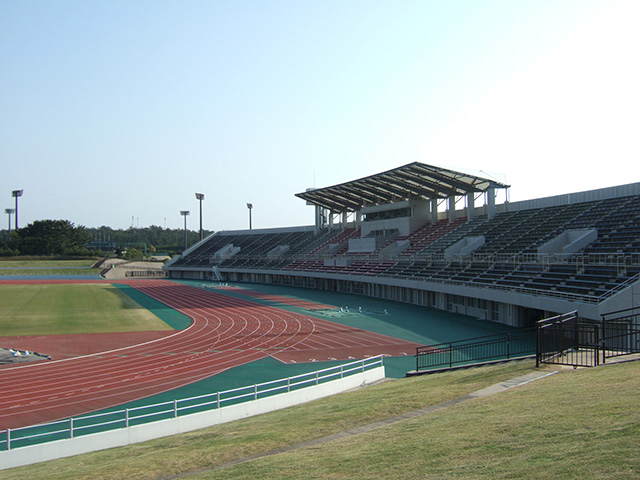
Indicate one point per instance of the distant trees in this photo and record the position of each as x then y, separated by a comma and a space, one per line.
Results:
133, 254
162, 240
49, 237
63, 238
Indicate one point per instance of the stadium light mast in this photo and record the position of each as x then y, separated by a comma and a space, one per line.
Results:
250, 207
185, 213
9, 211
16, 194
200, 197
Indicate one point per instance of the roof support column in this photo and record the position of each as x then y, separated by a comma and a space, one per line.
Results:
491, 202
451, 208
471, 206
434, 210
344, 220
319, 219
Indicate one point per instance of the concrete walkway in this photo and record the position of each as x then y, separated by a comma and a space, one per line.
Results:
484, 392
121, 269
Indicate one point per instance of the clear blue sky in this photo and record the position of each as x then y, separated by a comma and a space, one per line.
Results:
116, 113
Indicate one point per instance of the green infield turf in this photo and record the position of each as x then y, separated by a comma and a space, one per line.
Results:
69, 309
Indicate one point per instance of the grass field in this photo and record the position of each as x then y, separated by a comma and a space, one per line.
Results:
52, 263
576, 424
69, 309
48, 267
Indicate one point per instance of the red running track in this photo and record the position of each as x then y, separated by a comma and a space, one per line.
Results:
225, 332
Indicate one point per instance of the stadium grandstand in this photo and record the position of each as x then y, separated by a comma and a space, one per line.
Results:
436, 237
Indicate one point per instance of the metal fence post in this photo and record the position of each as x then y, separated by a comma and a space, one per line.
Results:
175, 408
218, 400
596, 334
537, 345
126, 418
508, 346
8, 439
255, 391
450, 355
71, 427
604, 340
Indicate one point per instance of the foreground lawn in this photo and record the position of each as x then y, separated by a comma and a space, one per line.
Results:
68, 309
575, 424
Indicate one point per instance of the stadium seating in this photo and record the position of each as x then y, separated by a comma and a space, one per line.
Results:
508, 259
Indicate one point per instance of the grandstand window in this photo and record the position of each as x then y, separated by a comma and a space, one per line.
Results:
427, 298
495, 311
454, 301
384, 233
388, 214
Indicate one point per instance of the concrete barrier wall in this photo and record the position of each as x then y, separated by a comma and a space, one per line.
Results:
163, 428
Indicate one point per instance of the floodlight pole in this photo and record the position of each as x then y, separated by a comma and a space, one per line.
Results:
250, 207
16, 194
200, 197
185, 213
9, 211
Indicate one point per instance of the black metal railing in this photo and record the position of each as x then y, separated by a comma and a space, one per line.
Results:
506, 346
568, 340
621, 333
564, 339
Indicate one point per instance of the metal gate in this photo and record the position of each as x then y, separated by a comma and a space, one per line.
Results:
568, 340
621, 333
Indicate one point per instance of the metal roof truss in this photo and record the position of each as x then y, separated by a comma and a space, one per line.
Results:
416, 180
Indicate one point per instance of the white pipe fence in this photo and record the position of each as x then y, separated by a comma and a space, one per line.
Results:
75, 427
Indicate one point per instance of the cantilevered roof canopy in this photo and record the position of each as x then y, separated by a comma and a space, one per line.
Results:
415, 180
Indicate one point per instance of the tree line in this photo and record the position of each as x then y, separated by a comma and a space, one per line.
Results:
63, 238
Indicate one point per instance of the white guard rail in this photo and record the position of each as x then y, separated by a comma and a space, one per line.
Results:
74, 436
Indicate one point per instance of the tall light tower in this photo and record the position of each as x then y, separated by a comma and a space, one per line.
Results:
9, 211
250, 207
16, 194
185, 213
200, 197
